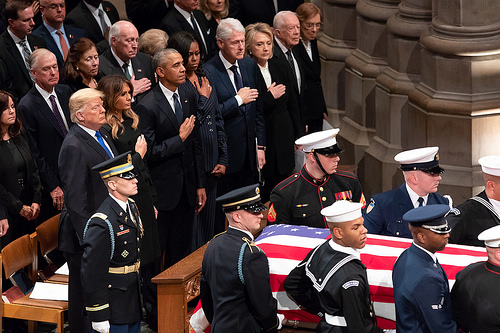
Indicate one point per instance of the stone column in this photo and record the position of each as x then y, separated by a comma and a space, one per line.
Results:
391, 97
457, 104
362, 68
336, 42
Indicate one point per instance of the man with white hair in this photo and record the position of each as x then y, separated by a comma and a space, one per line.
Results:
299, 199
83, 148
124, 58
332, 280
476, 288
422, 174
46, 119
234, 77
480, 212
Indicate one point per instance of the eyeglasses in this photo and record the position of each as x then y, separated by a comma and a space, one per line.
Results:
312, 25
55, 5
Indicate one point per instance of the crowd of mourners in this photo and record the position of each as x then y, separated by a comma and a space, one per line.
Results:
147, 136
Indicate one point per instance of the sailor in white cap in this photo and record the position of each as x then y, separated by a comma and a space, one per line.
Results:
331, 281
480, 212
422, 174
299, 199
474, 296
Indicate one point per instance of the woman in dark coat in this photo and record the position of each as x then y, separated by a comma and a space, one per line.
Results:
20, 187
308, 56
122, 125
281, 111
81, 67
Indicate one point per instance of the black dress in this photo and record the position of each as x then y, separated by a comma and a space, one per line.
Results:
19, 185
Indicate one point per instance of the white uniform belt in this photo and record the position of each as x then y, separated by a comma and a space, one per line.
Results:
335, 320
125, 269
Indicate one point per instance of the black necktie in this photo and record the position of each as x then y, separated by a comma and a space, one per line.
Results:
178, 109
198, 32
125, 70
420, 201
290, 61
238, 82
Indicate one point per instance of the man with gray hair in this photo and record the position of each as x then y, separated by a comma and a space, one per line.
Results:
45, 113
123, 58
83, 147
286, 35
235, 79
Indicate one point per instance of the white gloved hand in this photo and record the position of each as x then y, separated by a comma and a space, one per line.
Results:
101, 326
281, 317
390, 330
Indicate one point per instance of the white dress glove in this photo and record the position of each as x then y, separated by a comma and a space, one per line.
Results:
101, 326
281, 317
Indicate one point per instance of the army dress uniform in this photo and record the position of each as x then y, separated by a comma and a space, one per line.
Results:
110, 264
299, 199
331, 281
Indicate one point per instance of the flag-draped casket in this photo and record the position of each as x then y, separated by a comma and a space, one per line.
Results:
286, 245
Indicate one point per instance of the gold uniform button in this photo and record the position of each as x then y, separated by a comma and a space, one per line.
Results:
303, 215
321, 189
125, 242
397, 233
324, 198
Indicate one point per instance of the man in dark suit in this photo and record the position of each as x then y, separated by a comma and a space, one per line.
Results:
123, 58
95, 17
238, 103
146, 15
82, 148
421, 288
45, 113
422, 173
259, 10
286, 36
16, 45
175, 159
110, 262
239, 300
58, 36
185, 17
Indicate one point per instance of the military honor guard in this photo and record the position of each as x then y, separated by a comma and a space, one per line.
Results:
110, 262
299, 199
421, 289
422, 174
235, 285
331, 281
480, 212
474, 296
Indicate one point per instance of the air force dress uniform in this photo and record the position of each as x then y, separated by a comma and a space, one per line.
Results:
475, 293
478, 213
421, 289
299, 199
110, 263
235, 285
384, 213
331, 281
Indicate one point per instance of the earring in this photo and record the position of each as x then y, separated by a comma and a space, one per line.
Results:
77, 69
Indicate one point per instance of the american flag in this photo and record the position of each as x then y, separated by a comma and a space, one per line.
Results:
287, 245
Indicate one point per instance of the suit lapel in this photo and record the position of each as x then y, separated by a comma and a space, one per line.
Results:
14, 52
46, 111
64, 105
165, 107
91, 142
224, 77
51, 44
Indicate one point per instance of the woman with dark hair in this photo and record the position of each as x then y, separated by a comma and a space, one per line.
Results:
122, 125
281, 111
308, 56
81, 66
213, 138
20, 187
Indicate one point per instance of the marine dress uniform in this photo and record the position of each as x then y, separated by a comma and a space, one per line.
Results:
421, 289
474, 296
384, 213
331, 281
110, 262
299, 199
235, 285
